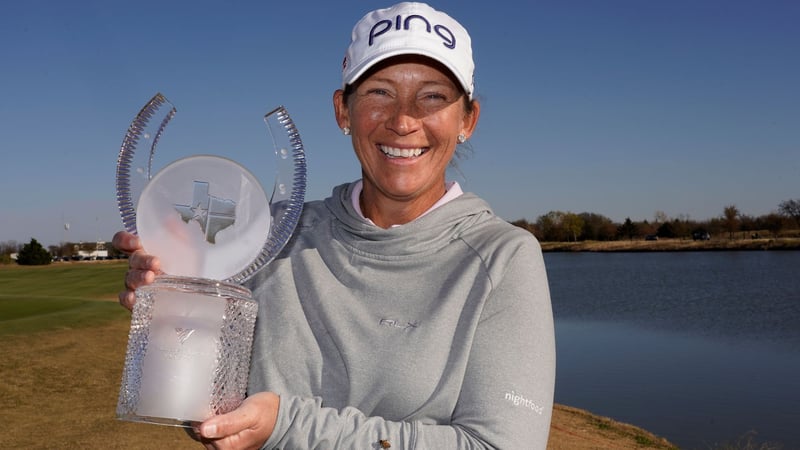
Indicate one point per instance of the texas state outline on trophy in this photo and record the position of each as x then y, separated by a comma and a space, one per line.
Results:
209, 221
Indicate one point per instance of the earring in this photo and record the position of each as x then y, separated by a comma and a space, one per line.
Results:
346, 131
461, 138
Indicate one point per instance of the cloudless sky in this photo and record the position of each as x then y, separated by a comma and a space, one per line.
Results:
621, 108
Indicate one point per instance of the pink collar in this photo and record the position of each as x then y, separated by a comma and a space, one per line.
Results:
452, 187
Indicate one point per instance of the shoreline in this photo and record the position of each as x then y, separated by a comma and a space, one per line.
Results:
674, 245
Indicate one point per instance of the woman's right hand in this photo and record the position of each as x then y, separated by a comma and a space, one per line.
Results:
142, 268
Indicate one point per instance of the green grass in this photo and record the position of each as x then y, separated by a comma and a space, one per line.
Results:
58, 296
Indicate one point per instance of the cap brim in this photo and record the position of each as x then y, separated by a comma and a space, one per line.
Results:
359, 71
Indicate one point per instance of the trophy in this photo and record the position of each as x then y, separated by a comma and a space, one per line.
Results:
210, 223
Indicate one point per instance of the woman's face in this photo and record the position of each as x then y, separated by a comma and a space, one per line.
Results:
405, 118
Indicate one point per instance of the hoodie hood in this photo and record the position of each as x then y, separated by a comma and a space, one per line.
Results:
426, 234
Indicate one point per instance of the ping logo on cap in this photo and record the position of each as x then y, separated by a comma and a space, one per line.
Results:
409, 28
386, 25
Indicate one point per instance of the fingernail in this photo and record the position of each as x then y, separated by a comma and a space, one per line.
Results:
209, 431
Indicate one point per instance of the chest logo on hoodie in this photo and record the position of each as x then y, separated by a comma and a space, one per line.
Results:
399, 324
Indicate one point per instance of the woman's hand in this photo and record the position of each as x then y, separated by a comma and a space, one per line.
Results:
248, 426
142, 268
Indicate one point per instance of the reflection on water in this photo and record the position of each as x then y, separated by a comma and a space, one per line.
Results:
697, 347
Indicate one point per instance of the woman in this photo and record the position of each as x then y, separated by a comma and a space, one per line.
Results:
402, 313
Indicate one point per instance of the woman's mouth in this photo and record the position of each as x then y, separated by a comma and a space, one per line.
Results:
393, 152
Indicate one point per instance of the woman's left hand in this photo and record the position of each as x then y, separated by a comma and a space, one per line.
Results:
248, 426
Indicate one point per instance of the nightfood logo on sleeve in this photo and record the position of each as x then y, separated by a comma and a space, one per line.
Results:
519, 400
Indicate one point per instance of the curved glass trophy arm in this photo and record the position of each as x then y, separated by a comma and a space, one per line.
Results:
288, 195
134, 171
212, 224
211, 208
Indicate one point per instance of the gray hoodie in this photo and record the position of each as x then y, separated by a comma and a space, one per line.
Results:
436, 334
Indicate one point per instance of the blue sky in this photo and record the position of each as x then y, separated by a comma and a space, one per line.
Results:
621, 108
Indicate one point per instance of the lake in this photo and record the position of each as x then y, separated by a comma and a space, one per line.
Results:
698, 347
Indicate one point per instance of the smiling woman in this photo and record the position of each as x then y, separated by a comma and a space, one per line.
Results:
403, 313
406, 116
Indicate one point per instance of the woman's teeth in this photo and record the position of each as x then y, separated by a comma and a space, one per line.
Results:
401, 152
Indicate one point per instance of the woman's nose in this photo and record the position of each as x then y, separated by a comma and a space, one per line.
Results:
403, 119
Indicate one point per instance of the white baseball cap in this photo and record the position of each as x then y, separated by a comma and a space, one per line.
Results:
409, 29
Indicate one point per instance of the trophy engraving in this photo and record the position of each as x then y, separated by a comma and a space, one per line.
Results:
212, 213
183, 334
212, 225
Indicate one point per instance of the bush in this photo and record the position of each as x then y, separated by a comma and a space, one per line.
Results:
33, 254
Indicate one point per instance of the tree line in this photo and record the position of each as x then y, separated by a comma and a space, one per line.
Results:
34, 253
555, 226
560, 226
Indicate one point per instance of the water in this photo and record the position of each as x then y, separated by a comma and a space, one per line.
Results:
698, 347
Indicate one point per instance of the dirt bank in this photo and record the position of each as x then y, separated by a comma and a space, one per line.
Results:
577, 429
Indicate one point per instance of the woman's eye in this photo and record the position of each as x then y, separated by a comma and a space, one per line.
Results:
435, 96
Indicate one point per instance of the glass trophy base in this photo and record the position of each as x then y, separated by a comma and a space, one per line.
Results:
188, 355
160, 421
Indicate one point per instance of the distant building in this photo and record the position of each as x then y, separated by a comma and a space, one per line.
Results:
98, 251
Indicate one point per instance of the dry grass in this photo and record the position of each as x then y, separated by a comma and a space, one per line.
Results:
574, 428
60, 391
63, 352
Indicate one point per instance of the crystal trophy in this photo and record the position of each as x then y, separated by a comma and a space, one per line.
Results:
210, 223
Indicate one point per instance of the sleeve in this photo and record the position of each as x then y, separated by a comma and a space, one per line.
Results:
506, 399
507, 396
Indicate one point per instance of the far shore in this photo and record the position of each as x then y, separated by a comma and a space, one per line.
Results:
673, 245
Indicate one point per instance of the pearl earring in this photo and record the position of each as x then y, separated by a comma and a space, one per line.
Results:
346, 131
461, 138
